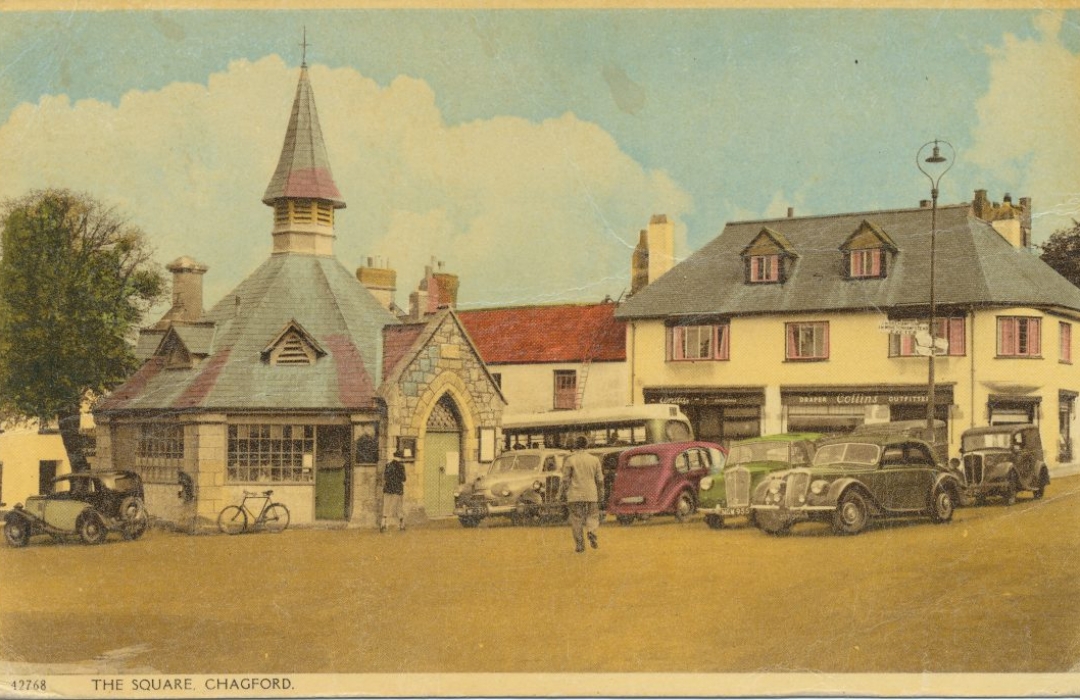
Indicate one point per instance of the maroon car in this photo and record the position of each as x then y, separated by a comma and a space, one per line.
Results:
662, 479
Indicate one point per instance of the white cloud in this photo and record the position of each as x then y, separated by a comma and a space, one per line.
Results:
1027, 123
522, 211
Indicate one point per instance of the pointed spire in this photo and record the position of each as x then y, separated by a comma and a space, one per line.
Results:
303, 171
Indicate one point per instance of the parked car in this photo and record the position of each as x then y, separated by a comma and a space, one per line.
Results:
855, 478
939, 440
661, 479
1000, 460
87, 504
522, 485
725, 493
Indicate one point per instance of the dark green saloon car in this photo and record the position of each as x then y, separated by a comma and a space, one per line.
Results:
726, 494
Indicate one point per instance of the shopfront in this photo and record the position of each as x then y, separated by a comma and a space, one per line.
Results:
717, 414
840, 409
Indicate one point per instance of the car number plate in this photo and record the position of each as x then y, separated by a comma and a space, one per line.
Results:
741, 510
477, 510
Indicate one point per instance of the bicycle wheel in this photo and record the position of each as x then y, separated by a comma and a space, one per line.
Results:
232, 520
275, 517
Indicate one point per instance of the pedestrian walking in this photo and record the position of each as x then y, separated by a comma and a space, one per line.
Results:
583, 486
393, 492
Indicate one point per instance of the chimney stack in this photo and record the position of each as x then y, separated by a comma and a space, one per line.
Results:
639, 264
924, 204
380, 281
791, 212
187, 297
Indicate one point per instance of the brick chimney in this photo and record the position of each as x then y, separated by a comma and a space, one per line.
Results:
187, 296
1012, 222
639, 264
661, 235
380, 281
438, 289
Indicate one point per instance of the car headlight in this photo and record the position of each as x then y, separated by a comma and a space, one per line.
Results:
819, 487
706, 483
774, 486
537, 485
505, 492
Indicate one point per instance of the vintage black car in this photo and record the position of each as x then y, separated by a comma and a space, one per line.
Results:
84, 504
855, 478
1000, 460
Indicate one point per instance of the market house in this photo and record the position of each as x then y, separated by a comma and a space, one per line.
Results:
300, 379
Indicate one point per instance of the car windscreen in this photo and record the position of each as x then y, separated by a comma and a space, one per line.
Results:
858, 453
986, 440
511, 462
759, 452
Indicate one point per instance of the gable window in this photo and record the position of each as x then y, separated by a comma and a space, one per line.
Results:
706, 342
808, 341
952, 328
1019, 336
1065, 330
565, 389
866, 262
764, 268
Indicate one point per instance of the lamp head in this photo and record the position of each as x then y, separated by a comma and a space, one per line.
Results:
936, 156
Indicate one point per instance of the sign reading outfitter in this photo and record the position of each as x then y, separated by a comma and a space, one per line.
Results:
879, 395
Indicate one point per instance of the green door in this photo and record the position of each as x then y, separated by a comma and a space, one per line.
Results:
331, 472
442, 455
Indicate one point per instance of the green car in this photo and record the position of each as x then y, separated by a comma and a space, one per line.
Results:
748, 462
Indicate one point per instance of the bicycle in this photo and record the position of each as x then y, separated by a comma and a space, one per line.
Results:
274, 517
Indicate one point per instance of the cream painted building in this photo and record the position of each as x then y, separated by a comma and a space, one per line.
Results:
819, 323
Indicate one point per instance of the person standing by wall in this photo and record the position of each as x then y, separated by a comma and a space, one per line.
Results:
393, 492
583, 486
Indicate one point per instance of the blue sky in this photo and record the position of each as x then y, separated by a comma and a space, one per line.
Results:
526, 148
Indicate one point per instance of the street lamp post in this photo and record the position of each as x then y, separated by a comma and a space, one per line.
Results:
936, 167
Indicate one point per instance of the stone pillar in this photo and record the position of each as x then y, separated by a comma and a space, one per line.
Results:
211, 445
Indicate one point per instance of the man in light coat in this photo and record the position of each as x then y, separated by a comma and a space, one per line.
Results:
583, 485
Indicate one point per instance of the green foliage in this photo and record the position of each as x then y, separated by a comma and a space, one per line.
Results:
1062, 252
75, 281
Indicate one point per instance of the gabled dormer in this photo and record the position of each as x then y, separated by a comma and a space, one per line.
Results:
182, 347
768, 258
866, 253
292, 346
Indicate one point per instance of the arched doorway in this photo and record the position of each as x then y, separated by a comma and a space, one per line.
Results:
442, 457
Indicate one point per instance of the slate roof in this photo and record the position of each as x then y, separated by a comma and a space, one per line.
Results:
975, 266
304, 167
314, 291
548, 333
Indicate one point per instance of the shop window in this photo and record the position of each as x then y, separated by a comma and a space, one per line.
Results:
954, 329
1065, 330
764, 268
565, 389
808, 341
699, 342
160, 452
270, 452
866, 263
1018, 336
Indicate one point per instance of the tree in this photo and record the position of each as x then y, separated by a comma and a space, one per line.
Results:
76, 280
1062, 252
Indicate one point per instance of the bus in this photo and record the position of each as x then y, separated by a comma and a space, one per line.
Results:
626, 426
608, 431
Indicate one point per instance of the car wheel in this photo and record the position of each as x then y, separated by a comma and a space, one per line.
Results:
1040, 490
714, 521
1008, 496
468, 522
17, 532
624, 519
92, 528
770, 521
684, 507
851, 514
942, 504
133, 514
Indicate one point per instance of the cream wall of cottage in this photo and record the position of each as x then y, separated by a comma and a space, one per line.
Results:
21, 451
859, 355
531, 388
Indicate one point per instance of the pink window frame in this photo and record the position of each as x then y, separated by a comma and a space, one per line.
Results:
720, 343
857, 259
1014, 331
771, 272
792, 344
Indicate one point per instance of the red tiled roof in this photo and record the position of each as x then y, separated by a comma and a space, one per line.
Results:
556, 333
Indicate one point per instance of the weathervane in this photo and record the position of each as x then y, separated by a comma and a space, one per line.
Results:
303, 48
